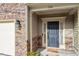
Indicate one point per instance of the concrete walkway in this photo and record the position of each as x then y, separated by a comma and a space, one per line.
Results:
2, 54
61, 52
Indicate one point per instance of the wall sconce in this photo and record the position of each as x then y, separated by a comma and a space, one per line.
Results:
18, 25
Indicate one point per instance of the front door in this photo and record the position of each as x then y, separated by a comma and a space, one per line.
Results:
53, 34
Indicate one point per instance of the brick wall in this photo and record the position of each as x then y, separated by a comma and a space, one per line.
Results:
13, 11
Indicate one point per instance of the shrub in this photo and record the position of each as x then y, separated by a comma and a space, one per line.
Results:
33, 53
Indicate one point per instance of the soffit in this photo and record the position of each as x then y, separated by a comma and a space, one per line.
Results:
57, 11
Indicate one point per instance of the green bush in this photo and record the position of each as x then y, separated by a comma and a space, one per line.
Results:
33, 53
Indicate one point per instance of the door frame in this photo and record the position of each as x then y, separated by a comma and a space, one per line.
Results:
61, 20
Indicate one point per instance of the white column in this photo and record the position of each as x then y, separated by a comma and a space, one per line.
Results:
30, 30
26, 25
78, 26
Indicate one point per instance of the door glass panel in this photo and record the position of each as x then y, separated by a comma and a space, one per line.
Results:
53, 34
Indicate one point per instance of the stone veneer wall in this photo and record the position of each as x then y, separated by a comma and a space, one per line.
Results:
13, 11
69, 32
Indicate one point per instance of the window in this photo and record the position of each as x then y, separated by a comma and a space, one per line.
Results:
61, 33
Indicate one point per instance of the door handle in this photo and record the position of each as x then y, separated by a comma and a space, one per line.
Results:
42, 34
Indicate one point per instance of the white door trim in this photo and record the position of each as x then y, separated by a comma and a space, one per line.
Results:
61, 20
43, 33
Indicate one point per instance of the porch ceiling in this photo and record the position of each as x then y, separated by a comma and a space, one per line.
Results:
56, 11
53, 11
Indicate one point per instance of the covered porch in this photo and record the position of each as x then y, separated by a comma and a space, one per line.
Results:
61, 41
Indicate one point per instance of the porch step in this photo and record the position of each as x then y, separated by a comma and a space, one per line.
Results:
61, 52
45, 53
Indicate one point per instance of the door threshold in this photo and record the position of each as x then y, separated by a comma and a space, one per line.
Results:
56, 50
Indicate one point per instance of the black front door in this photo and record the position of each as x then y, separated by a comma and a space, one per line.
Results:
53, 34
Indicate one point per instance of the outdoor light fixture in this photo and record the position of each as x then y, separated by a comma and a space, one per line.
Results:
18, 25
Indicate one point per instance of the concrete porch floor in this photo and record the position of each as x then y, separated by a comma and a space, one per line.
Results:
61, 52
